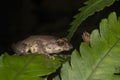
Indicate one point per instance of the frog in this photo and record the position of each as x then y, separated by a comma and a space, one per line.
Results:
41, 44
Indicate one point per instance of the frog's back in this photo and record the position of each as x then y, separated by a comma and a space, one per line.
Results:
42, 38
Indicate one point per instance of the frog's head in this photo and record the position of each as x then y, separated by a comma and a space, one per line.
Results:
57, 46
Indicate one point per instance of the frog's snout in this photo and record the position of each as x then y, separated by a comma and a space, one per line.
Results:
68, 47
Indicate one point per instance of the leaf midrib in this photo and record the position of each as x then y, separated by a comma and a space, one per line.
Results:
102, 58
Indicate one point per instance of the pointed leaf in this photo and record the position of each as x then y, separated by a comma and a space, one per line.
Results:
91, 7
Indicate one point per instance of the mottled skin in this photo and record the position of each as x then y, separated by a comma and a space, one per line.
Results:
41, 44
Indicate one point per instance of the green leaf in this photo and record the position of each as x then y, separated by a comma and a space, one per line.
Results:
91, 7
27, 67
56, 78
101, 59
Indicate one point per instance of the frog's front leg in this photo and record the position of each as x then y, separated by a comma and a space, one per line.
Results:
51, 56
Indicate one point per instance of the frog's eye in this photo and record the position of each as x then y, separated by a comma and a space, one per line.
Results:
60, 42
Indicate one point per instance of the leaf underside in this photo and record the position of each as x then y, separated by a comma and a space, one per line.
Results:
91, 7
101, 59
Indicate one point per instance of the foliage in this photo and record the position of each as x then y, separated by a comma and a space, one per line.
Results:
91, 7
101, 59
94, 62
27, 67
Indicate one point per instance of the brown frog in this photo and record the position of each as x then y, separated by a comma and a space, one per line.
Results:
41, 44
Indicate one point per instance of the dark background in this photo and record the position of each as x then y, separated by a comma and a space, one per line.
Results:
22, 18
